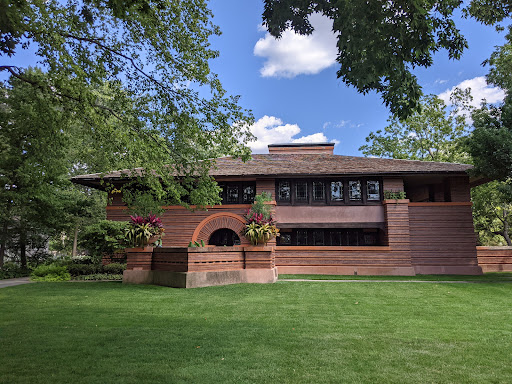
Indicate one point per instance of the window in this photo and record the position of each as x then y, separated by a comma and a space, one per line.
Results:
232, 194
329, 237
372, 190
318, 237
335, 237
318, 191
329, 191
337, 191
248, 194
302, 237
285, 239
301, 191
237, 193
354, 190
284, 192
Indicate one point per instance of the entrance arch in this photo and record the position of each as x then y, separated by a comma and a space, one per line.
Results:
224, 236
217, 221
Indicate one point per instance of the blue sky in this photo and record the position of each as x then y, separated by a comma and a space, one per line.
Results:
291, 85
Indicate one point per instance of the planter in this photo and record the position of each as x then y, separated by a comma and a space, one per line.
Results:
259, 257
139, 258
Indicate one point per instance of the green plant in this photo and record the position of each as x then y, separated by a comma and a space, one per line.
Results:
141, 230
82, 269
114, 268
260, 225
100, 276
105, 236
50, 272
196, 244
13, 270
394, 195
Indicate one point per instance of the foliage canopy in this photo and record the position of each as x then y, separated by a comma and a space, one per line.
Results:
381, 42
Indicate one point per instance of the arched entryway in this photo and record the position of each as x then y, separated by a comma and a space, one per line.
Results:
224, 236
224, 220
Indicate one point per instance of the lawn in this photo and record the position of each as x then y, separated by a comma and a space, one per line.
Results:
288, 332
486, 277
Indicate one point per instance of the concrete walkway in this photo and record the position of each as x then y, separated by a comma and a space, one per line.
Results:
13, 282
401, 281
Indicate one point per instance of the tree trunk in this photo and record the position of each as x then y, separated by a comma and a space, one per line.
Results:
75, 241
505, 232
23, 248
3, 241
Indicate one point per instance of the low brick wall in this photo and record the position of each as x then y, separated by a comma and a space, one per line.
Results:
200, 259
494, 259
376, 260
200, 267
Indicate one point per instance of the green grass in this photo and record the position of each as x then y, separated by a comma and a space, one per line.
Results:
487, 277
288, 332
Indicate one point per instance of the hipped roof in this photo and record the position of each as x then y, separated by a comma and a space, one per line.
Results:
306, 165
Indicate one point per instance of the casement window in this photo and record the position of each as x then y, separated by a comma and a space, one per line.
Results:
318, 191
372, 190
337, 191
318, 237
232, 194
301, 237
354, 190
329, 237
237, 192
284, 191
328, 191
249, 191
285, 239
301, 191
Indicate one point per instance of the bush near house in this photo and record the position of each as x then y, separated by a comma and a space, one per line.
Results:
50, 273
13, 270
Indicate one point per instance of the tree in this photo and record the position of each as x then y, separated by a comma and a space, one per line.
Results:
435, 134
381, 42
490, 144
33, 169
492, 212
143, 64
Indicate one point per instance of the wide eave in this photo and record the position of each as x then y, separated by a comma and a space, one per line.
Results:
300, 165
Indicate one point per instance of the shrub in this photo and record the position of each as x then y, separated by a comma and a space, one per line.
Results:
100, 276
50, 272
114, 268
82, 269
82, 259
105, 236
13, 270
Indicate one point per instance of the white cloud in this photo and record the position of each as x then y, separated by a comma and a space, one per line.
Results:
479, 90
272, 130
294, 54
341, 124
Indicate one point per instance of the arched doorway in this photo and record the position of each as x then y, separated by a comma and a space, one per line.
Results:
224, 236
223, 220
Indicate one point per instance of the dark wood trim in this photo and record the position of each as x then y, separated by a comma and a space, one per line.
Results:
441, 204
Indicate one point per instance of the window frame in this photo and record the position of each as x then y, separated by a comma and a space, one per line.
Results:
349, 237
241, 185
327, 191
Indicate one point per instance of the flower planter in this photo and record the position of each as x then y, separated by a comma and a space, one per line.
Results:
259, 257
139, 258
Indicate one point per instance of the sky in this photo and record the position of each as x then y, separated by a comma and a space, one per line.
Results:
291, 86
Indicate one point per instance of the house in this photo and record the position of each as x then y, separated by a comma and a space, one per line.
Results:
336, 214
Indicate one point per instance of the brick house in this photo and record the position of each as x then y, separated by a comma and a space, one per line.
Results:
336, 214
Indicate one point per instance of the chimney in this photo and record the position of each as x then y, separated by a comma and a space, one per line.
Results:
303, 148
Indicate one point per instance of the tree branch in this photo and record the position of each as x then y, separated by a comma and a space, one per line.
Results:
36, 84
